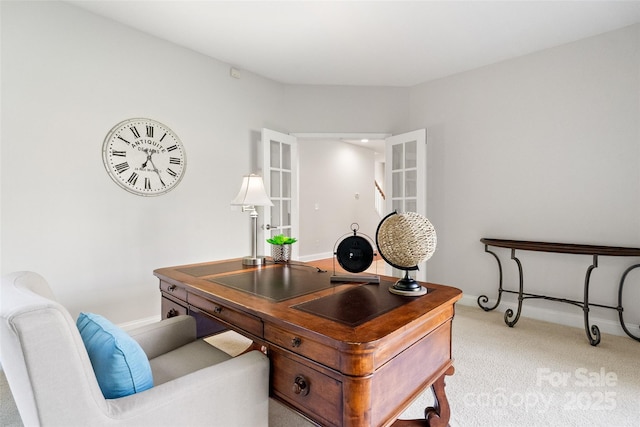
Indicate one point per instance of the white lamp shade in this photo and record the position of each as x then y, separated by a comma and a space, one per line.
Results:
252, 193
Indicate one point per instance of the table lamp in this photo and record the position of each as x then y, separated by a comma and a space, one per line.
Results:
252, 194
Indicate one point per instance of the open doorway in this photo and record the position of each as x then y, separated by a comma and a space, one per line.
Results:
341, 183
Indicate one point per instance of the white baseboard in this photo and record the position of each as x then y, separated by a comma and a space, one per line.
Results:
140, 322
575, 318
314, 257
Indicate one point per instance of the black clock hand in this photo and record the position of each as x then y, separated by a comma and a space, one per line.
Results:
156, 169
144, 165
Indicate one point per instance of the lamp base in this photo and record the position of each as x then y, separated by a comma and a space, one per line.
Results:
249, 260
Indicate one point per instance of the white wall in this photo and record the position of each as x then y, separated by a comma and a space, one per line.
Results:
67, 77
333, 172
346, 109
339, 109
544, 147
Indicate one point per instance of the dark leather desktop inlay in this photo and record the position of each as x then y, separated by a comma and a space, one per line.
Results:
358, 305
209, 269
278, 284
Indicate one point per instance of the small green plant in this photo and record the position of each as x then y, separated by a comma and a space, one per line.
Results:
281, 239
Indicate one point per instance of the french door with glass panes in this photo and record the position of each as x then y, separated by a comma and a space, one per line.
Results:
406, 178
280, 175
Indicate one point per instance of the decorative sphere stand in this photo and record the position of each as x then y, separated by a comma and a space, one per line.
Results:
404, 241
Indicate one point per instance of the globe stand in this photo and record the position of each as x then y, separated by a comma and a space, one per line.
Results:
408, 286
404, 241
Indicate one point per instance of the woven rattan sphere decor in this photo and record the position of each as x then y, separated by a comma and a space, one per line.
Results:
404, 241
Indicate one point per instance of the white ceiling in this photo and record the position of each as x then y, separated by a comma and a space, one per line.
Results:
372, 43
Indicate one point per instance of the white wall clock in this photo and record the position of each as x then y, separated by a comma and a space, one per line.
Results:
144, 157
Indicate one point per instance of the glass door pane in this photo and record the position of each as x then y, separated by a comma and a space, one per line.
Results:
411, 155
281, 188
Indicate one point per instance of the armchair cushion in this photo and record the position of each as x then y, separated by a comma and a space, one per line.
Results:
184, 360
120, 364
162, 337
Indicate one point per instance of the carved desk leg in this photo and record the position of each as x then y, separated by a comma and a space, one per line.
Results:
437, 415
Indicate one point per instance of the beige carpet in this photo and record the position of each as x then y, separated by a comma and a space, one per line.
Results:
538, 374
535, 374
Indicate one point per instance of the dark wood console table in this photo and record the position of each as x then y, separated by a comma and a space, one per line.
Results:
593, 332
342, 354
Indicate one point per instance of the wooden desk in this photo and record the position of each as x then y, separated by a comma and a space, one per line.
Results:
341, 354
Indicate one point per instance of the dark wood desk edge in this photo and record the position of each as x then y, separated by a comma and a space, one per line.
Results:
450, 296
567, 248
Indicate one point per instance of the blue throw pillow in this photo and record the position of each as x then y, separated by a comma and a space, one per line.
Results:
120, 364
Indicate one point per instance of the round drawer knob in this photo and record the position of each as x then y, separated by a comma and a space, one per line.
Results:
295, 342
172, 313
301, 386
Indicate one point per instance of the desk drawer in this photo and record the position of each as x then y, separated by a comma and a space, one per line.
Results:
175, 291
317, 394
229, 316
301, 345
171, 308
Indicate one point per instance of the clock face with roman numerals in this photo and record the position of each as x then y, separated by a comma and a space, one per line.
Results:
144, 157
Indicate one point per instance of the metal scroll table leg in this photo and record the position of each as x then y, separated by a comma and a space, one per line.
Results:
620, 309
595, 339
483, 299
509, 313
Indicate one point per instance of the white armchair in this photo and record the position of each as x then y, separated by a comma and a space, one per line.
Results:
53, 382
